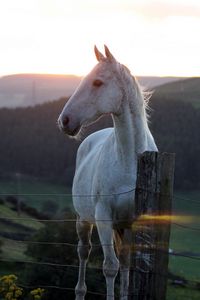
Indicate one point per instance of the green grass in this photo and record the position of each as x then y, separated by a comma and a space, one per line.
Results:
186, 239
181, 293
186, 90
22, 219
36, 192
13, 250
181, 240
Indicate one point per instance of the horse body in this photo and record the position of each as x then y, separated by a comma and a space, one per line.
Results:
102, 174
106, 166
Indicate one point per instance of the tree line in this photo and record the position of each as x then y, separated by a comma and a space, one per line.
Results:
32, 144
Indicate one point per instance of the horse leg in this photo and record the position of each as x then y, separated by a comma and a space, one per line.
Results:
111, 263
124, 259
84, 231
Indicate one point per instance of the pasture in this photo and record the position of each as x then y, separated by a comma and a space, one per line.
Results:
183, 240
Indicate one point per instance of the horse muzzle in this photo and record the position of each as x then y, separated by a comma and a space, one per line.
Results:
67, 126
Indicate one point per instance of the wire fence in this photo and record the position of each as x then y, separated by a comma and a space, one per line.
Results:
167, 276
90, 195
174, 253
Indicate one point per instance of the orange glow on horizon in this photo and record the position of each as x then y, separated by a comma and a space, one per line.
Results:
58, 36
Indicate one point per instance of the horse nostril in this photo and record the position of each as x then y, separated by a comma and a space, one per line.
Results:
65, 121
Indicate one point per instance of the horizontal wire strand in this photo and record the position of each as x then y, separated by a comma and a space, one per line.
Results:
95, 221
185, 226
98, 195
56, 287
71, 195
74, 220
46, 287
174, 253
91, 268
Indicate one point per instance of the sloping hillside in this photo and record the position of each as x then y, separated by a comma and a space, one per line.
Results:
31, 89
187, 90
32, 143
15, 227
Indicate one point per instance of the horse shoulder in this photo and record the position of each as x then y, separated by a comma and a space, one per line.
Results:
92, 144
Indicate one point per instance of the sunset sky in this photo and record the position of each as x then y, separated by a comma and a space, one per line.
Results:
57, 36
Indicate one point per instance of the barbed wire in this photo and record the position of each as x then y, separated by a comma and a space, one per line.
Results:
40, 220
186, 199
23, 285
71, 195
191, 256
46, 287
185, 226
176, 253
56, 287
135, 270
184, 255
95, 221
69, 289
95, 195
38, 263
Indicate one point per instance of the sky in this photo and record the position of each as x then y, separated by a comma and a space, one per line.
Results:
151, 37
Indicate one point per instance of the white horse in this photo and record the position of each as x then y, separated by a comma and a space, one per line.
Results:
106, 166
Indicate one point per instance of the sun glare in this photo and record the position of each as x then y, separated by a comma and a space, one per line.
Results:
58, 36
145, 219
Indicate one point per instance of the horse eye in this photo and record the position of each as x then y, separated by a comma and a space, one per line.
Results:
97, 82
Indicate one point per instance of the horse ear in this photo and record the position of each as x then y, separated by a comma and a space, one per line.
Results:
98, 54
108, 53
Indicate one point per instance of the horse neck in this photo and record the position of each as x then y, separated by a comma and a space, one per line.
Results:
131, 128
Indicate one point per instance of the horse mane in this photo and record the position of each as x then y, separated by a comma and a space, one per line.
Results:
142, 92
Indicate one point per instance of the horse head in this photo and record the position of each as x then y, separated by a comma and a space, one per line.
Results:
99, 93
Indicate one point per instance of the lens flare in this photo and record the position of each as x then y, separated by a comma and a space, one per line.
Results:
147, 219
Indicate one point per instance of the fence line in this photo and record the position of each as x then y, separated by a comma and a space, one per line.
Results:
174, 253
39, 263
56, 287
185, 226
74, 220
70, 195
89, 267
191, 255
73, 289
187, 199
96, 195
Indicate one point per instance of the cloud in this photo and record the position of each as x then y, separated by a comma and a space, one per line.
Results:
163, 9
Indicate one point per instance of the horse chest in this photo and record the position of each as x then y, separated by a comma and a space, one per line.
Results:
113, 175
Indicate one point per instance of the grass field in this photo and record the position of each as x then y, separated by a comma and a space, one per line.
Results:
24, 219
23, 227
186, 239
179, 293
35, 192
183, 239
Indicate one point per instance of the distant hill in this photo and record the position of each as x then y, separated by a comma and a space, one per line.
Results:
32, 144
187, 90
31, 89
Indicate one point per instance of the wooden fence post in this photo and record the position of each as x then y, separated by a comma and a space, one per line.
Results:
151, 232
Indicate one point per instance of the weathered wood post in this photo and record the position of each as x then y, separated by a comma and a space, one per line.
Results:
151, 232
